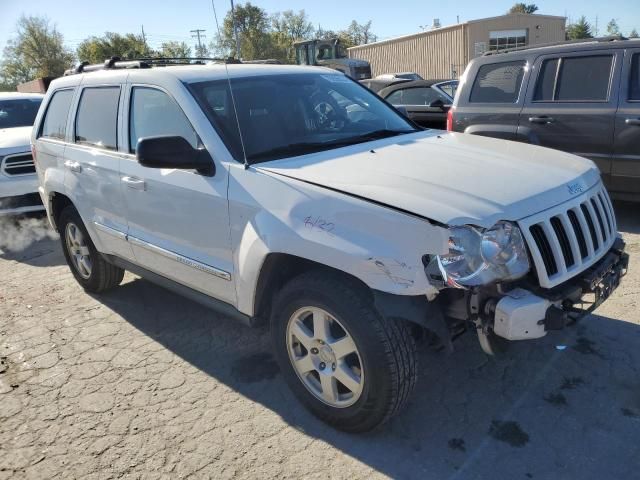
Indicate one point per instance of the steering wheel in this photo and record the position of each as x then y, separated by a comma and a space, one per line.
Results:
328, 113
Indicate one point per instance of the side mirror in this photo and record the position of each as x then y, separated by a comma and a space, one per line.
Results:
437, 103
402, 110
173, 152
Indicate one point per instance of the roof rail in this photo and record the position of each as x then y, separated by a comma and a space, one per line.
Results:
115, 63
612, 38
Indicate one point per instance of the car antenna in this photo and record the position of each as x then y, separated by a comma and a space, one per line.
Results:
233, 100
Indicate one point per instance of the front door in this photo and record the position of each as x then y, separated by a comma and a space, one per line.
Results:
625, 171
571, 105
178, 219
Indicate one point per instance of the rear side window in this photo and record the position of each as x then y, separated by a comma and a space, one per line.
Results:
97, 117
54, 124
154, 113
546, 81
574, 79
498, 83
634, 85
584, 78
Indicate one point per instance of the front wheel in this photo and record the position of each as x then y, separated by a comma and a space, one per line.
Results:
346, 363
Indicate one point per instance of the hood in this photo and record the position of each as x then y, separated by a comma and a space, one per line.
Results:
452, 178
12, 138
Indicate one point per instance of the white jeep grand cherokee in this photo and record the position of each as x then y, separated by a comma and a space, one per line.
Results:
18, 181
295, 196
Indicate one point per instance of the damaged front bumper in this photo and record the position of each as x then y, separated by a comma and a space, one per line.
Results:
527, 312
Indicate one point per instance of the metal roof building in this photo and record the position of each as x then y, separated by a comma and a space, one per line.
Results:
444, 52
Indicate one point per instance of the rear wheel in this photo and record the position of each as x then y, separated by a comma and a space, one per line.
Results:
349, 365
91, 271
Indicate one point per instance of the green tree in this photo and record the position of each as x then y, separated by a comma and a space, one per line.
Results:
175, 50
580, 29
360, 34
634, 34
524, 8
99, 49
254, 28
36, 51
287, 28
613, 28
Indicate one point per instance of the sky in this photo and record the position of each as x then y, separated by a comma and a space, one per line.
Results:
163, 21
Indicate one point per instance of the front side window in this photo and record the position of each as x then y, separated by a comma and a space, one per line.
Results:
54, 124
294, 114
498, 83
154, 113
97, 117
19, 112
634, 80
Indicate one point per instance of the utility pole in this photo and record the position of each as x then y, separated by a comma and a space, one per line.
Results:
235, 30
198, 35
596, 26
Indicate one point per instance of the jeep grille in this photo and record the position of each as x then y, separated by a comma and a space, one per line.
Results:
570, 238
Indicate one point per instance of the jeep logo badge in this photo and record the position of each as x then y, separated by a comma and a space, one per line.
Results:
574, 188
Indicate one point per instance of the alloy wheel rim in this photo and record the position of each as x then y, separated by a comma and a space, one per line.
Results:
325, 357
79, 252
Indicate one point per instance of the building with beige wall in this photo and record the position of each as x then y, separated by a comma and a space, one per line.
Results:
444, 52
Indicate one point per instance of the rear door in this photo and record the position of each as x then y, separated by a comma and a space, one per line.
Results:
571, 104
625, 170
417, 101
492, 105
92, 164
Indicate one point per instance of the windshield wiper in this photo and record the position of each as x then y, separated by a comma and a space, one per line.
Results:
310, 147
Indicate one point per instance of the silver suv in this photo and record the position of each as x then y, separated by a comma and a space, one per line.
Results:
295, 196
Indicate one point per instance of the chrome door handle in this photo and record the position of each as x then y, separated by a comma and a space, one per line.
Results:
544, 120
73, 166
633, 121
135, 183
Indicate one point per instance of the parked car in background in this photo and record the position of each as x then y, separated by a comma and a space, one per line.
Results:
376, 84
582, 98
401, 76
426, 102
18, 180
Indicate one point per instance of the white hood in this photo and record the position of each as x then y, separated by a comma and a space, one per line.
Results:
13, 138
452, 178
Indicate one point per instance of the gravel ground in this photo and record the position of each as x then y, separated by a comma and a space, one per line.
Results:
140, 383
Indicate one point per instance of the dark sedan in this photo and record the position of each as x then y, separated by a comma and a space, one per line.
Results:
426, 102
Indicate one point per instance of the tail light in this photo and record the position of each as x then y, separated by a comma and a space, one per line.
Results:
450, 120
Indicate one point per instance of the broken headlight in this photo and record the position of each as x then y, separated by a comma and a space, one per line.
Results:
481, 256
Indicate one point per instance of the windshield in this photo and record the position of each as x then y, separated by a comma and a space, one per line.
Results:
449, 88
18, 113
293, 114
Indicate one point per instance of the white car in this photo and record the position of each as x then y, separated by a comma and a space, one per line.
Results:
295, 196
18, 180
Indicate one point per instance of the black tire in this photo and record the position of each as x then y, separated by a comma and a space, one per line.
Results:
386, 347
103, 275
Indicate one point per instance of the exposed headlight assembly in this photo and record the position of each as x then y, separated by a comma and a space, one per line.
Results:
479, 256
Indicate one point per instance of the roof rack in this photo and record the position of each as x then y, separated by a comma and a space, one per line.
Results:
116, 63
612, 38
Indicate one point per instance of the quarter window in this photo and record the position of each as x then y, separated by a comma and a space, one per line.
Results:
97, 117
55, 120
634, 85
155, 113
498, 83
